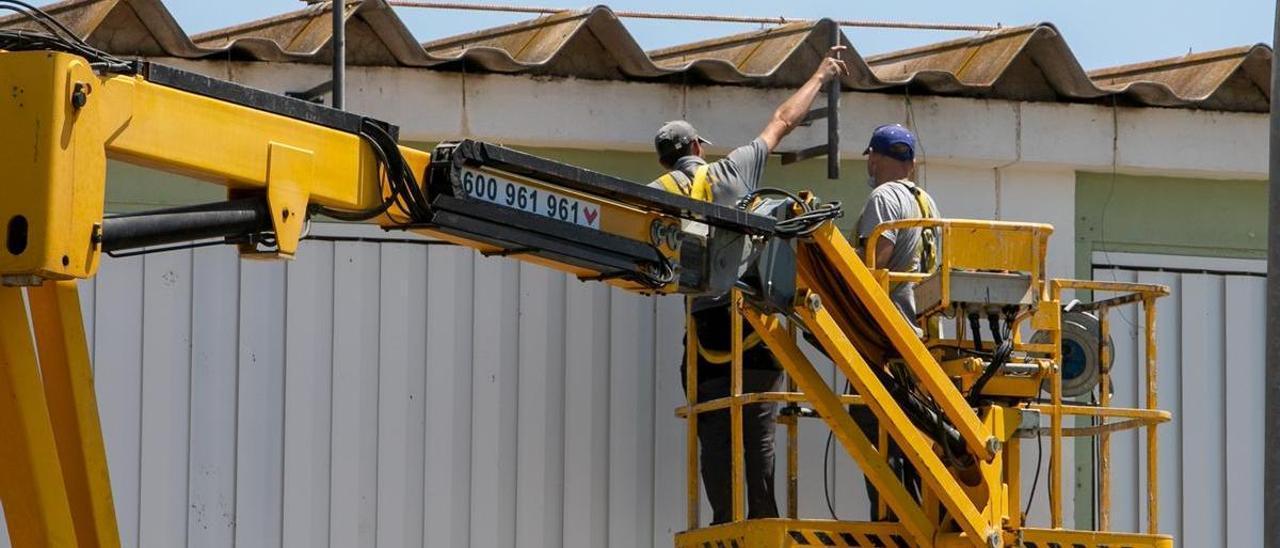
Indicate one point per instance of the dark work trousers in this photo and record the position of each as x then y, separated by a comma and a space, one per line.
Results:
714, 435
902, 468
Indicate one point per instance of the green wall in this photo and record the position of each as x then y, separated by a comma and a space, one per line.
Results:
1169, 215
1161, 215
131, 188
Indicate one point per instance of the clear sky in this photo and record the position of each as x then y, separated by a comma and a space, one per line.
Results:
1100, 32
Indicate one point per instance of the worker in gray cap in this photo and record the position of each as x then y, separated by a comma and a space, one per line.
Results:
724, 182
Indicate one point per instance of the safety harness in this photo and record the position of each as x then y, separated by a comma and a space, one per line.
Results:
928, 250
928, 236
700, 189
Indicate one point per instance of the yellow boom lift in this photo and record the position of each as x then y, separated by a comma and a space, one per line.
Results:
957, 407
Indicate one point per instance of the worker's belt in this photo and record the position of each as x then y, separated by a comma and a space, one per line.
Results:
712, 333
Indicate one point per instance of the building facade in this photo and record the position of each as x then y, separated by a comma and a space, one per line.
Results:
383, 390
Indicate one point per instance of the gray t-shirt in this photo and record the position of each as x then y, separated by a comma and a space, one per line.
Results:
732, 177
893, 201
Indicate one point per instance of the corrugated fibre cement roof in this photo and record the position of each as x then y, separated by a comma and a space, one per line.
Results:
1026, 63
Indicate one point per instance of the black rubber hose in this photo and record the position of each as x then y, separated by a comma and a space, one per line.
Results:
1001, 355
976, 327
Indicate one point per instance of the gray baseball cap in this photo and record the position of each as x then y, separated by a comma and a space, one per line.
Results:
675, 135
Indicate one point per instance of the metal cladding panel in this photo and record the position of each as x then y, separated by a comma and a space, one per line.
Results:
117, 355
212, 454
166, 381
308, 396
1210, 364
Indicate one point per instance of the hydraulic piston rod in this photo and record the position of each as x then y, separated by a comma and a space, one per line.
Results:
184, 224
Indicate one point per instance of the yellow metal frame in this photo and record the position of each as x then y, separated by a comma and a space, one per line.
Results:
968, 244
985, 514
973, 244
845, 261
1148, 418
790, 533
53, 465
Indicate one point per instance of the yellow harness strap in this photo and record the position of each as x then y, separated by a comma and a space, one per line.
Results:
699, 189
928, 249
928, 236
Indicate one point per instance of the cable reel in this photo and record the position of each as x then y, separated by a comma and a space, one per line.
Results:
1081, 352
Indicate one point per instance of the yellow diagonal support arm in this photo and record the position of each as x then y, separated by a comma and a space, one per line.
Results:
914, 444
930, 375
73, 411
778, 338
32, 489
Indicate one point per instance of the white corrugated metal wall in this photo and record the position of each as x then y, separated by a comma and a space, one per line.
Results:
395, 394
1210, 360
380, 393
373, 394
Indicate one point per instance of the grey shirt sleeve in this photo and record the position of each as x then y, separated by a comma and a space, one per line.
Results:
880, 208
739, 173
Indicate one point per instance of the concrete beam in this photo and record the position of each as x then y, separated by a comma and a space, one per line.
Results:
608, 115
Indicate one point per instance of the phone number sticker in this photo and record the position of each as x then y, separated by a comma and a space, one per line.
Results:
500, 191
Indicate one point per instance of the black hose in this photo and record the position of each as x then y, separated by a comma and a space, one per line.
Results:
1001, 356
976, 327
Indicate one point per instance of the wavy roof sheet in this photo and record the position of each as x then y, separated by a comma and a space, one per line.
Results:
1031, 63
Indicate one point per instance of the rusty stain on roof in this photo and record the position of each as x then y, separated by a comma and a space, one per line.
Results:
1027, 63
782, 56
1031, 63
1235, 79
586, 44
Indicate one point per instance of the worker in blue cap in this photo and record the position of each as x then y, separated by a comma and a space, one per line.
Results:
891, 166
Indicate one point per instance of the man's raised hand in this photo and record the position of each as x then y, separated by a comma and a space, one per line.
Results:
832, 65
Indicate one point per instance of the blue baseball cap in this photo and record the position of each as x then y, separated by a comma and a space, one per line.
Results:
885, 137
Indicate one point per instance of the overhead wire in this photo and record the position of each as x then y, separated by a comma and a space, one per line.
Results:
776, 20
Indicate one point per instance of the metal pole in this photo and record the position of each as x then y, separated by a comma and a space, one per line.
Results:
1153, 403
339, 54
833, 116
692, 474
1104, 439
1271, 458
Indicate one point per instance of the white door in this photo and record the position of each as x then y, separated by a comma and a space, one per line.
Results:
1210, 360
